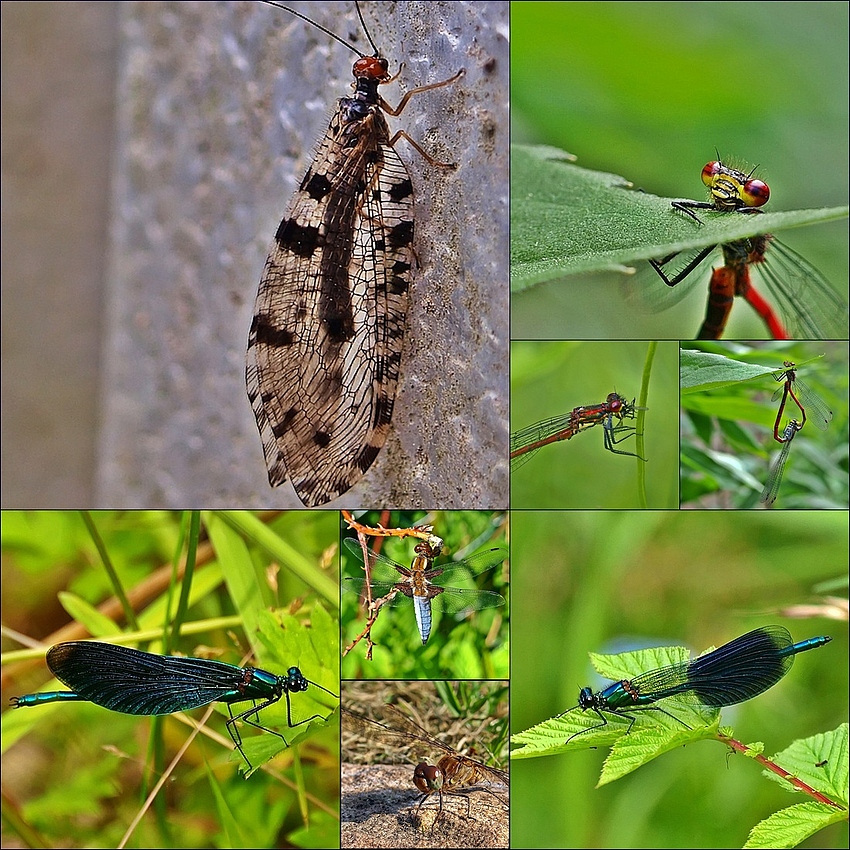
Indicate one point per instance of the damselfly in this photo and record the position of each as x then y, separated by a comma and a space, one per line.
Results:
792, 386
610, 414
810, 306
134, 682
733, 673
774, 477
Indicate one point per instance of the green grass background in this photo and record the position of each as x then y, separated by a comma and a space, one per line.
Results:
470, 647
77, 774
550, 378
727, 439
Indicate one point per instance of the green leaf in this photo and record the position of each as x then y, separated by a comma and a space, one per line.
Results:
700, 371
790, 826
653, 732
96, 623
289, 557
820, 761
803, 757
566, 220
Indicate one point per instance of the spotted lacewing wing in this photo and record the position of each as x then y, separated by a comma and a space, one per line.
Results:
324, 350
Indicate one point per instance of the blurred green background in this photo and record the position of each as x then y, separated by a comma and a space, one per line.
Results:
612, 581
727, 431
648, 90
476, 646
550, 379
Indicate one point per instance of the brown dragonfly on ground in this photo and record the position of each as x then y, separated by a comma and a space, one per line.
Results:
454, 773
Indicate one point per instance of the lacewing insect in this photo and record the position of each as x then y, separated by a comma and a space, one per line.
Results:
324, 349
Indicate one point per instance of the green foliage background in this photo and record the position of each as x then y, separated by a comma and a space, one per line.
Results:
727, 430
647, 91
550, 378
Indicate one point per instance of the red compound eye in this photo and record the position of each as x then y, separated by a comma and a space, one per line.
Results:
710, 171
614, 402
755, 193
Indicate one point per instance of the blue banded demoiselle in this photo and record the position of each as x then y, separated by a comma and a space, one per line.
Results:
134, 682
733, 673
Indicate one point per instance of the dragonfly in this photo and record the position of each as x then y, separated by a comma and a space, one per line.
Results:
774, 477
610, 414
392, 583
810, 306
453, 774
792, 386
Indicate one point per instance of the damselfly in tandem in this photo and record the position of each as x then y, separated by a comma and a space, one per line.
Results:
792, 386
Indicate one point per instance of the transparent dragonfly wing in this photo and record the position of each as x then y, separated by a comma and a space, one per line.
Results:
403, 735
399, 734
379, 590
646, 293
386, 573
809, 306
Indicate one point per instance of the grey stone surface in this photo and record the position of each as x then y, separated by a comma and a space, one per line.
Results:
219, 109
379, 809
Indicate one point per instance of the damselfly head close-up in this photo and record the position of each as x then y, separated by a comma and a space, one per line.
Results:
801, 301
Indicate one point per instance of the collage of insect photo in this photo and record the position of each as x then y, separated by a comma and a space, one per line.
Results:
444, 439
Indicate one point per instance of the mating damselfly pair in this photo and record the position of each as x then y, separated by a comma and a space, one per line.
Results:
805, 399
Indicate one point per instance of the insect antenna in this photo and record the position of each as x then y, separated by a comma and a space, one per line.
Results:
333, 35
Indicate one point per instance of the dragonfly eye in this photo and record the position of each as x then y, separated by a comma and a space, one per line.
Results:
755, 193
427, 777
710, 171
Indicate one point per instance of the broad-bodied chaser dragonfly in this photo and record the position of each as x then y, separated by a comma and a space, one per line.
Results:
453, 774
394, 583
